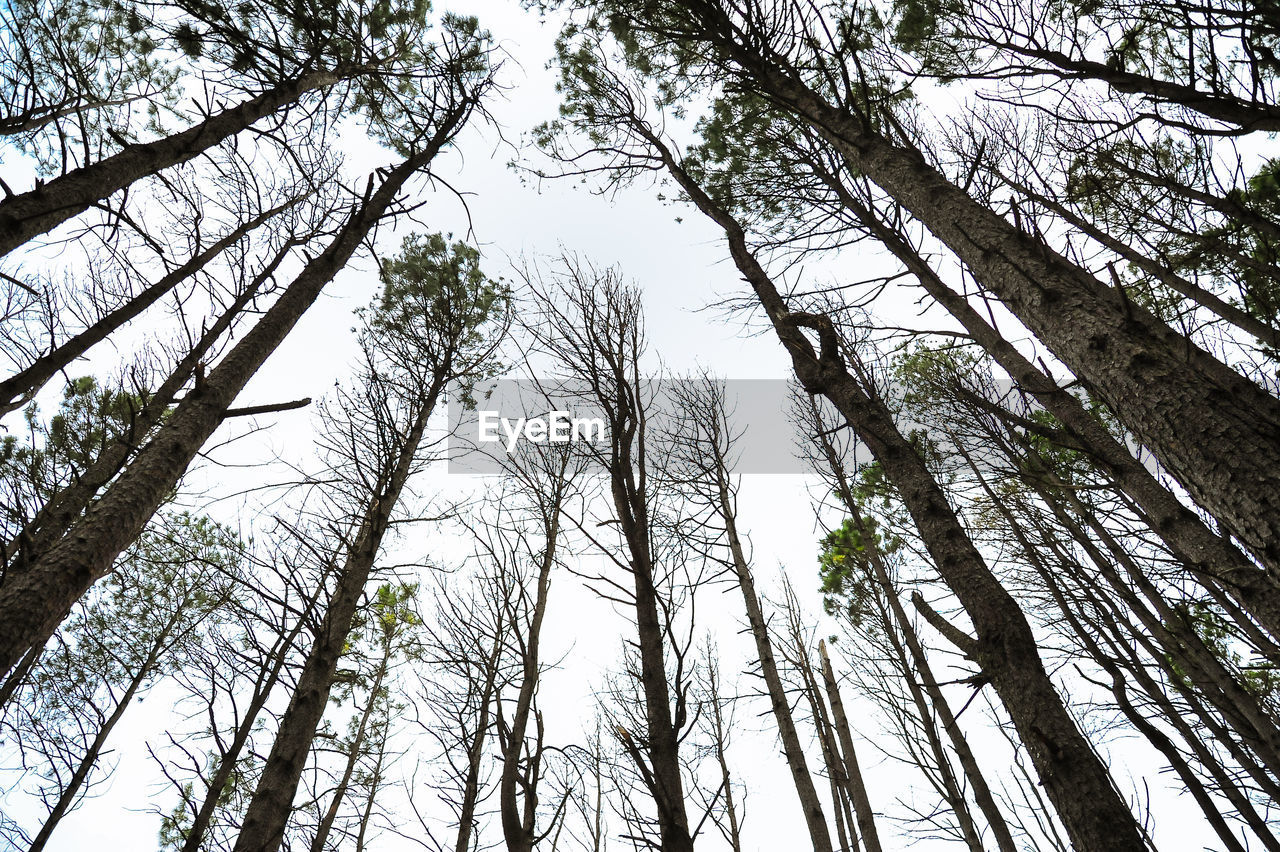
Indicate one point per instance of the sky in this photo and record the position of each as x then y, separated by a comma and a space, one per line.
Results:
679, 261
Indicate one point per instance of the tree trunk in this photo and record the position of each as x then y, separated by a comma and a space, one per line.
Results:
810, 804
70, 792
231, 756
1077, 782
517, 827
37, 211
857, 788
34, 603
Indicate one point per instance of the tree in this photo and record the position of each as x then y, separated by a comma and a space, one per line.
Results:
432, 330
32, 605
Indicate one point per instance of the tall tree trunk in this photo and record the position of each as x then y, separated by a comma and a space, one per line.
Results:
857, 787
37, 211
1186, 534
518, 827
810, 804
32, 604
268, 812
1077, 782
475, 751
916, 658
16, 390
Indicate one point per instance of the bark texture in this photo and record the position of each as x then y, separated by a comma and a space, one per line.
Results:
40, 210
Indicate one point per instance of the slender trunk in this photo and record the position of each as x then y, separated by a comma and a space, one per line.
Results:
846, 822
475, 751
231, 756
518, 827
662, 736
810, 804
331, 813
726, 780
1217, 432
374, 784
71, 791
853, 773
34, 603
1076, 780
268, 812
1220, 106
16, 390
30, 214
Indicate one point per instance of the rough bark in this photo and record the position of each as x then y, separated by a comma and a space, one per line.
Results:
228, 760
1205, 553
37, 211
32, 604
55, 517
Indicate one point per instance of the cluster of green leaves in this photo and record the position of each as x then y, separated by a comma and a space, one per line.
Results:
52, 454
437, 309
1259, 677
843, 568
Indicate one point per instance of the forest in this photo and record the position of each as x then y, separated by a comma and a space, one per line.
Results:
878, 438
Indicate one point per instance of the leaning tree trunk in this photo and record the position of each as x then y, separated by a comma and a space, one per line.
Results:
1077, 782
37, 211
1207, 554
926, 683
793, 751
857, 787
1213, 429
230, 758
272, 803
34, 603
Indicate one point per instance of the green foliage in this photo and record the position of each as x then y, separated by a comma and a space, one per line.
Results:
438, 311
1260, 679
847, 584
